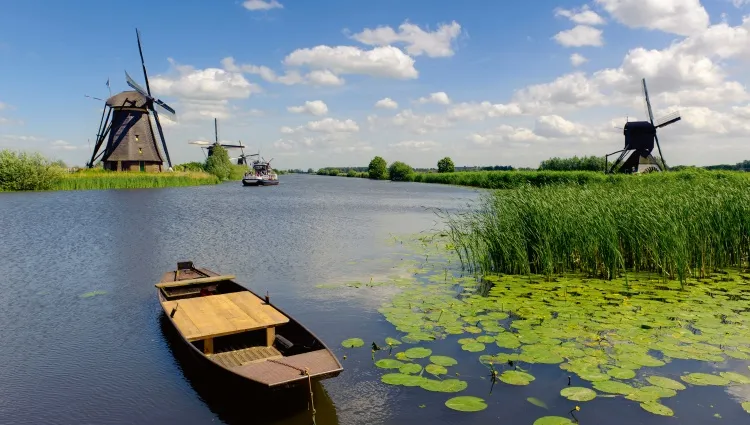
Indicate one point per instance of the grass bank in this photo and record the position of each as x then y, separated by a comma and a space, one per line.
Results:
100, 179
676, 224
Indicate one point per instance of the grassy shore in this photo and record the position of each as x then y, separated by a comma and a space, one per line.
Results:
676, 225
100, 179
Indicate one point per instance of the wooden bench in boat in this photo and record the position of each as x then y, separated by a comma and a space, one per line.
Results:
204, 318
243, 356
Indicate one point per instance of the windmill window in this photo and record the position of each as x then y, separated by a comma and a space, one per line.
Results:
136, 137
140, 150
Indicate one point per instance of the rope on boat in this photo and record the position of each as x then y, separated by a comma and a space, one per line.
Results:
306, 372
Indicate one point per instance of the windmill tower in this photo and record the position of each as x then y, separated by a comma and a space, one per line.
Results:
209, 147
639, 142
131, 144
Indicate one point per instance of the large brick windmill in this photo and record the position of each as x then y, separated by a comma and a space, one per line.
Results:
131, 144
639, 142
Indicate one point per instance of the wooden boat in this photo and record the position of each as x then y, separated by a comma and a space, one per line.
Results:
241, 333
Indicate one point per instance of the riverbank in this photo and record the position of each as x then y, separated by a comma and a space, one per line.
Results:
100, 179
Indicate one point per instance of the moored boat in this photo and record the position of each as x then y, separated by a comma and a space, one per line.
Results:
260, 174
235, 330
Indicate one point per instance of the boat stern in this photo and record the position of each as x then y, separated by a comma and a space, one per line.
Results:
292, 370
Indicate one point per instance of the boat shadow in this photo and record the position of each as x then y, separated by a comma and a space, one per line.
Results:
236, 401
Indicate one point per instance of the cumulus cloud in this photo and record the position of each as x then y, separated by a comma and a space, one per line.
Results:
441, 98
479, 111
580, 35
414, 145
315, 107
681, 17
203, 84
326, 125
321, 77
408, 120
583, 16
577, 59
262, 5
386, 103
62, 145
418, 42
386, 61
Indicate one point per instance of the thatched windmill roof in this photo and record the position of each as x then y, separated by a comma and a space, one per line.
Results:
131, 99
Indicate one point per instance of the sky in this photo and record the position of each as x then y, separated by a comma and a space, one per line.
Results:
334, 83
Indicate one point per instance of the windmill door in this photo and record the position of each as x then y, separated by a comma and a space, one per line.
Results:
142, 166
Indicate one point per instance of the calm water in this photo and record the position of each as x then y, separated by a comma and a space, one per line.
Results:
108, 359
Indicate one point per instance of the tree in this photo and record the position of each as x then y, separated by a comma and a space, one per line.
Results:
310, 171
400, 171
218, 163
445, 165
378, 169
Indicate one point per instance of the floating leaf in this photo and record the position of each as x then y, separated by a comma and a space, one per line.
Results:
514, 377
553, 420
402, 356
392, 341
473, 329
746, 406
578, 393
388, 364
402, 379
473, 347
613, 387
536, 402
410, 368
736, 377
417, 353
443, 361
704, 379
466, 404
657, 408
444, 386
663, 382
93, 294
352, 343
434, 369
485, 339
619, 373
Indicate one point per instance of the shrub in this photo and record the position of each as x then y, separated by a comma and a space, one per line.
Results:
218, 163
27, 171
378, 169
400, 171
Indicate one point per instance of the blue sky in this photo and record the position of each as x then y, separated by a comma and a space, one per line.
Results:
205, 58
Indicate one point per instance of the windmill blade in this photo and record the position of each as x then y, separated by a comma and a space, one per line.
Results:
136, 86
660, 155
161, 135
648, 102
143, 63
232, 146
668, 119
200, 142
166, 109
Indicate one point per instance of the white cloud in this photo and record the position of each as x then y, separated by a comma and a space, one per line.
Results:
506, 135
441, 98
577, 59
387, 61
262, 5
480, 111
203, 84
552, 126
315, 107
580, 35
322, 77
331, 125
436, 43
414, 145
3, 106
386, 103
62, 145
740, 3
682, 17
583, 16
408, 120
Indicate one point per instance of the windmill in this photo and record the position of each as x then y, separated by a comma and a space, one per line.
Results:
209, 147
639, 141
130, 140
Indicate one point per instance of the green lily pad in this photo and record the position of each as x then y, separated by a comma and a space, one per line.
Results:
737, 354
746, 405
444, 361
657, 408
444, 386
515, 377
536, 402
619, 373
592, 376
388, 364
663, 382
735, 377
578, 393
473, 347
705, 379
402, 379
434, 369
352, 343
401, 356
485, 339
466, 404
410, 368
613, 387
392, 341
553, 420
473, 329
417, 353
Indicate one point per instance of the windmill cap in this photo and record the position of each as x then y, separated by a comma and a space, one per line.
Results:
127, 99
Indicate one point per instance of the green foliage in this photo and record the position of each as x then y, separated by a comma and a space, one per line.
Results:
378, 169
190, 166
237, 172
586, 163
446, 165
675, 224
400, 171
310, 171
88, 179
27, 171
351, 173
219, 164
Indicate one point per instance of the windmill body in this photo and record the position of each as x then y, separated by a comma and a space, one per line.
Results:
640, 139
209, 147
131, 143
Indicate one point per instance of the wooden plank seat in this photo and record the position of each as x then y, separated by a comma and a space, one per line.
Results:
236, 358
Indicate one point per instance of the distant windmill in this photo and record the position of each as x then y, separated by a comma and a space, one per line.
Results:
208, 146
131, 144
639, 141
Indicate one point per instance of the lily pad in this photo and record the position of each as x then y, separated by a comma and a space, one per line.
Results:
388, 364
657, 408
553, 420
515, 377
444, 386
473, 347
352, 343
705, 379
619, 373
392, 341
663, 382
434, 369
485, 339
746, 406
443, 360
466, 404
410, 368
536, 402
613, 387
578, 393
402, 379
417, 352
736, 377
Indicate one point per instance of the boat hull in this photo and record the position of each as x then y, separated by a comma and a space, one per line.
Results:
269, 182
250, 182
313, 362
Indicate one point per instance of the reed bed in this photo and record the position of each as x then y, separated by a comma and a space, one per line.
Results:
680, 225
514, 179
97, 179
